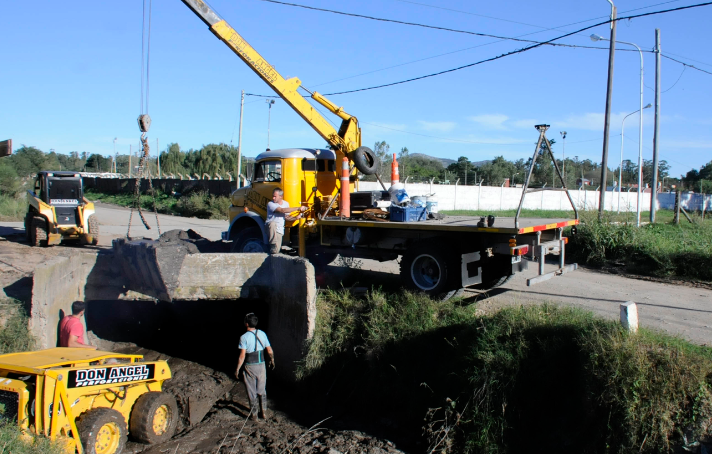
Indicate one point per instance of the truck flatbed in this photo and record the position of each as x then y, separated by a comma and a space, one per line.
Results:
459, 224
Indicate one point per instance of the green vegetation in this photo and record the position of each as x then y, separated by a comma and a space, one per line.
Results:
197, 204
558, 379
13, 441
12, 207
661, 249
14, 335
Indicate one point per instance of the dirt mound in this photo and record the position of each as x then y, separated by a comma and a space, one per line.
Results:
191, 240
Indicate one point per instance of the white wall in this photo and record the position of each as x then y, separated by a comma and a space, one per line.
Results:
456, 197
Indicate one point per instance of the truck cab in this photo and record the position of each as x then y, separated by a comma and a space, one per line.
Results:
308, 176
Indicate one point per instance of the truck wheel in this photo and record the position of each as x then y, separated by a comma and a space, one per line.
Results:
154, 418
427, 269
94, 229
39, 232
365, 160
102, 431
322, 259
248, 240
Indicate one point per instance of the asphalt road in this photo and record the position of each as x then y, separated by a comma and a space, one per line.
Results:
683, 310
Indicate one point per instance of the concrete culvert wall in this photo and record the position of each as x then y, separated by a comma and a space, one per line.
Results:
210, 294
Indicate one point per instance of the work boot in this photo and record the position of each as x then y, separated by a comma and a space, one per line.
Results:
264, 413
253, 412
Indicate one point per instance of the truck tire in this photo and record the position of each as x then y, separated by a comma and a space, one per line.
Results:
365, 160
153, 418
248, 241
321, 259
494, 283
102, 431
428, 269
94, 229
39, 232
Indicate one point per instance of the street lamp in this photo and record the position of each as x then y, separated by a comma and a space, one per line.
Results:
620, 169
594, 38
114, 154
270, 102
563, 156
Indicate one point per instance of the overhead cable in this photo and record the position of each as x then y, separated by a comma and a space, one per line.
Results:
518, 51
686, 64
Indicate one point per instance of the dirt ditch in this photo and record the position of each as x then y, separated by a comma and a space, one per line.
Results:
214, 412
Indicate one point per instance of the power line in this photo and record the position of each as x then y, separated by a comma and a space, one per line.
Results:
524, 49
678, 80
443, 138
688, 58
686, 64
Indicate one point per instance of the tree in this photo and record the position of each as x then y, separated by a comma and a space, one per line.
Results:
9, 181
27, 161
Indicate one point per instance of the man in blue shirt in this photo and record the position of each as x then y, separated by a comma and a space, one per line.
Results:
278, 210
252, 346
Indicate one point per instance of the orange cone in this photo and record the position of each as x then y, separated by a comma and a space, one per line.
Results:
395, 178
345, 190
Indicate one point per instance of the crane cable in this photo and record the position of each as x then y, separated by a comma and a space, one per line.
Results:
144, 123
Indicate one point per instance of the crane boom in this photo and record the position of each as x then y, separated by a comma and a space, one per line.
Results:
343, 141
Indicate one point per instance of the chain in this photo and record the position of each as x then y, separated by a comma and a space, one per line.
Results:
137, 190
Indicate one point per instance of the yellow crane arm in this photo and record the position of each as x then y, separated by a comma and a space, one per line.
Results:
347, 139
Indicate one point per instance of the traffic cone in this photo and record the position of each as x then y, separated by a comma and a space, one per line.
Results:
395, 177
345, 190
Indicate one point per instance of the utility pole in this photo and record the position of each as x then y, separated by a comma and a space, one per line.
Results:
270, 102
158, 162
239, 140
130, 151
607, 123
656, 134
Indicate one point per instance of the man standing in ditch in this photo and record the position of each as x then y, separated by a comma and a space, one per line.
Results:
277, 212
252, 346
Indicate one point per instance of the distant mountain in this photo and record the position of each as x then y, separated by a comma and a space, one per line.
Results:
446, 162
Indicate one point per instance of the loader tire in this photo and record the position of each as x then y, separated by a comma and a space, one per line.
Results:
39, 232
94, 229
365, 160
154, 418
102, 431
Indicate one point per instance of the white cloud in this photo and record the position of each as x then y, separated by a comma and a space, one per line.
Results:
594, 121
490, 121
439, 126
525, 124
391, 126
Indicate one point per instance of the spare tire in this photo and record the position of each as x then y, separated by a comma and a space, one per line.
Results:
365, 160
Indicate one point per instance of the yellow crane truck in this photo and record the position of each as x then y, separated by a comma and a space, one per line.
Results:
439, 257
87, 399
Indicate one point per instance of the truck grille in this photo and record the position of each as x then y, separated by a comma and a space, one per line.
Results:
9, 401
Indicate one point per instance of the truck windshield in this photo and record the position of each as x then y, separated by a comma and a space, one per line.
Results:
65, 190
268, 171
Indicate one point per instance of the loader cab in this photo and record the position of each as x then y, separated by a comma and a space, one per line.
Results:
59, 188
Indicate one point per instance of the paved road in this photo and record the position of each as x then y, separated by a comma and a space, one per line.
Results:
678, 309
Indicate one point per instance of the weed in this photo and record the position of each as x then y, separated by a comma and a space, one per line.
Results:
12, 207
14, 335
559, 379
13, 441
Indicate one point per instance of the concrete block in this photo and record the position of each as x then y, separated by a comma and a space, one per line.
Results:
629, 316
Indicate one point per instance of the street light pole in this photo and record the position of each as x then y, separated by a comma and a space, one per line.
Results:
563, 156
620, 169
239, 140
114, 154
270, 102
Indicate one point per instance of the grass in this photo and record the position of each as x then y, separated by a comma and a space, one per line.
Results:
661, 249
196, 204
538, 377
12, 208
13, 441
14, 335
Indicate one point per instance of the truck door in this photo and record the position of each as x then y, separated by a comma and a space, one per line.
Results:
267, 177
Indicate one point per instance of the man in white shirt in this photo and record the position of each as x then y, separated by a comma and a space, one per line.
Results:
278, 211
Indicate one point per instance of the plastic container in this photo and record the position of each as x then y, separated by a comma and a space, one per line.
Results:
418, 201
398, 194
408, 214
431, 203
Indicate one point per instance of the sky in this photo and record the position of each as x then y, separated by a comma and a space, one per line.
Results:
72, 79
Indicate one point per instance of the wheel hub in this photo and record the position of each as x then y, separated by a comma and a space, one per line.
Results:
161, 419
108, 438
252, 246
425, 272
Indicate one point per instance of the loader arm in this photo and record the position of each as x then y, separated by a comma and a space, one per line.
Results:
347, 139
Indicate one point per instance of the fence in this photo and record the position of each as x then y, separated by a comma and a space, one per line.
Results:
119, 185
450, 197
